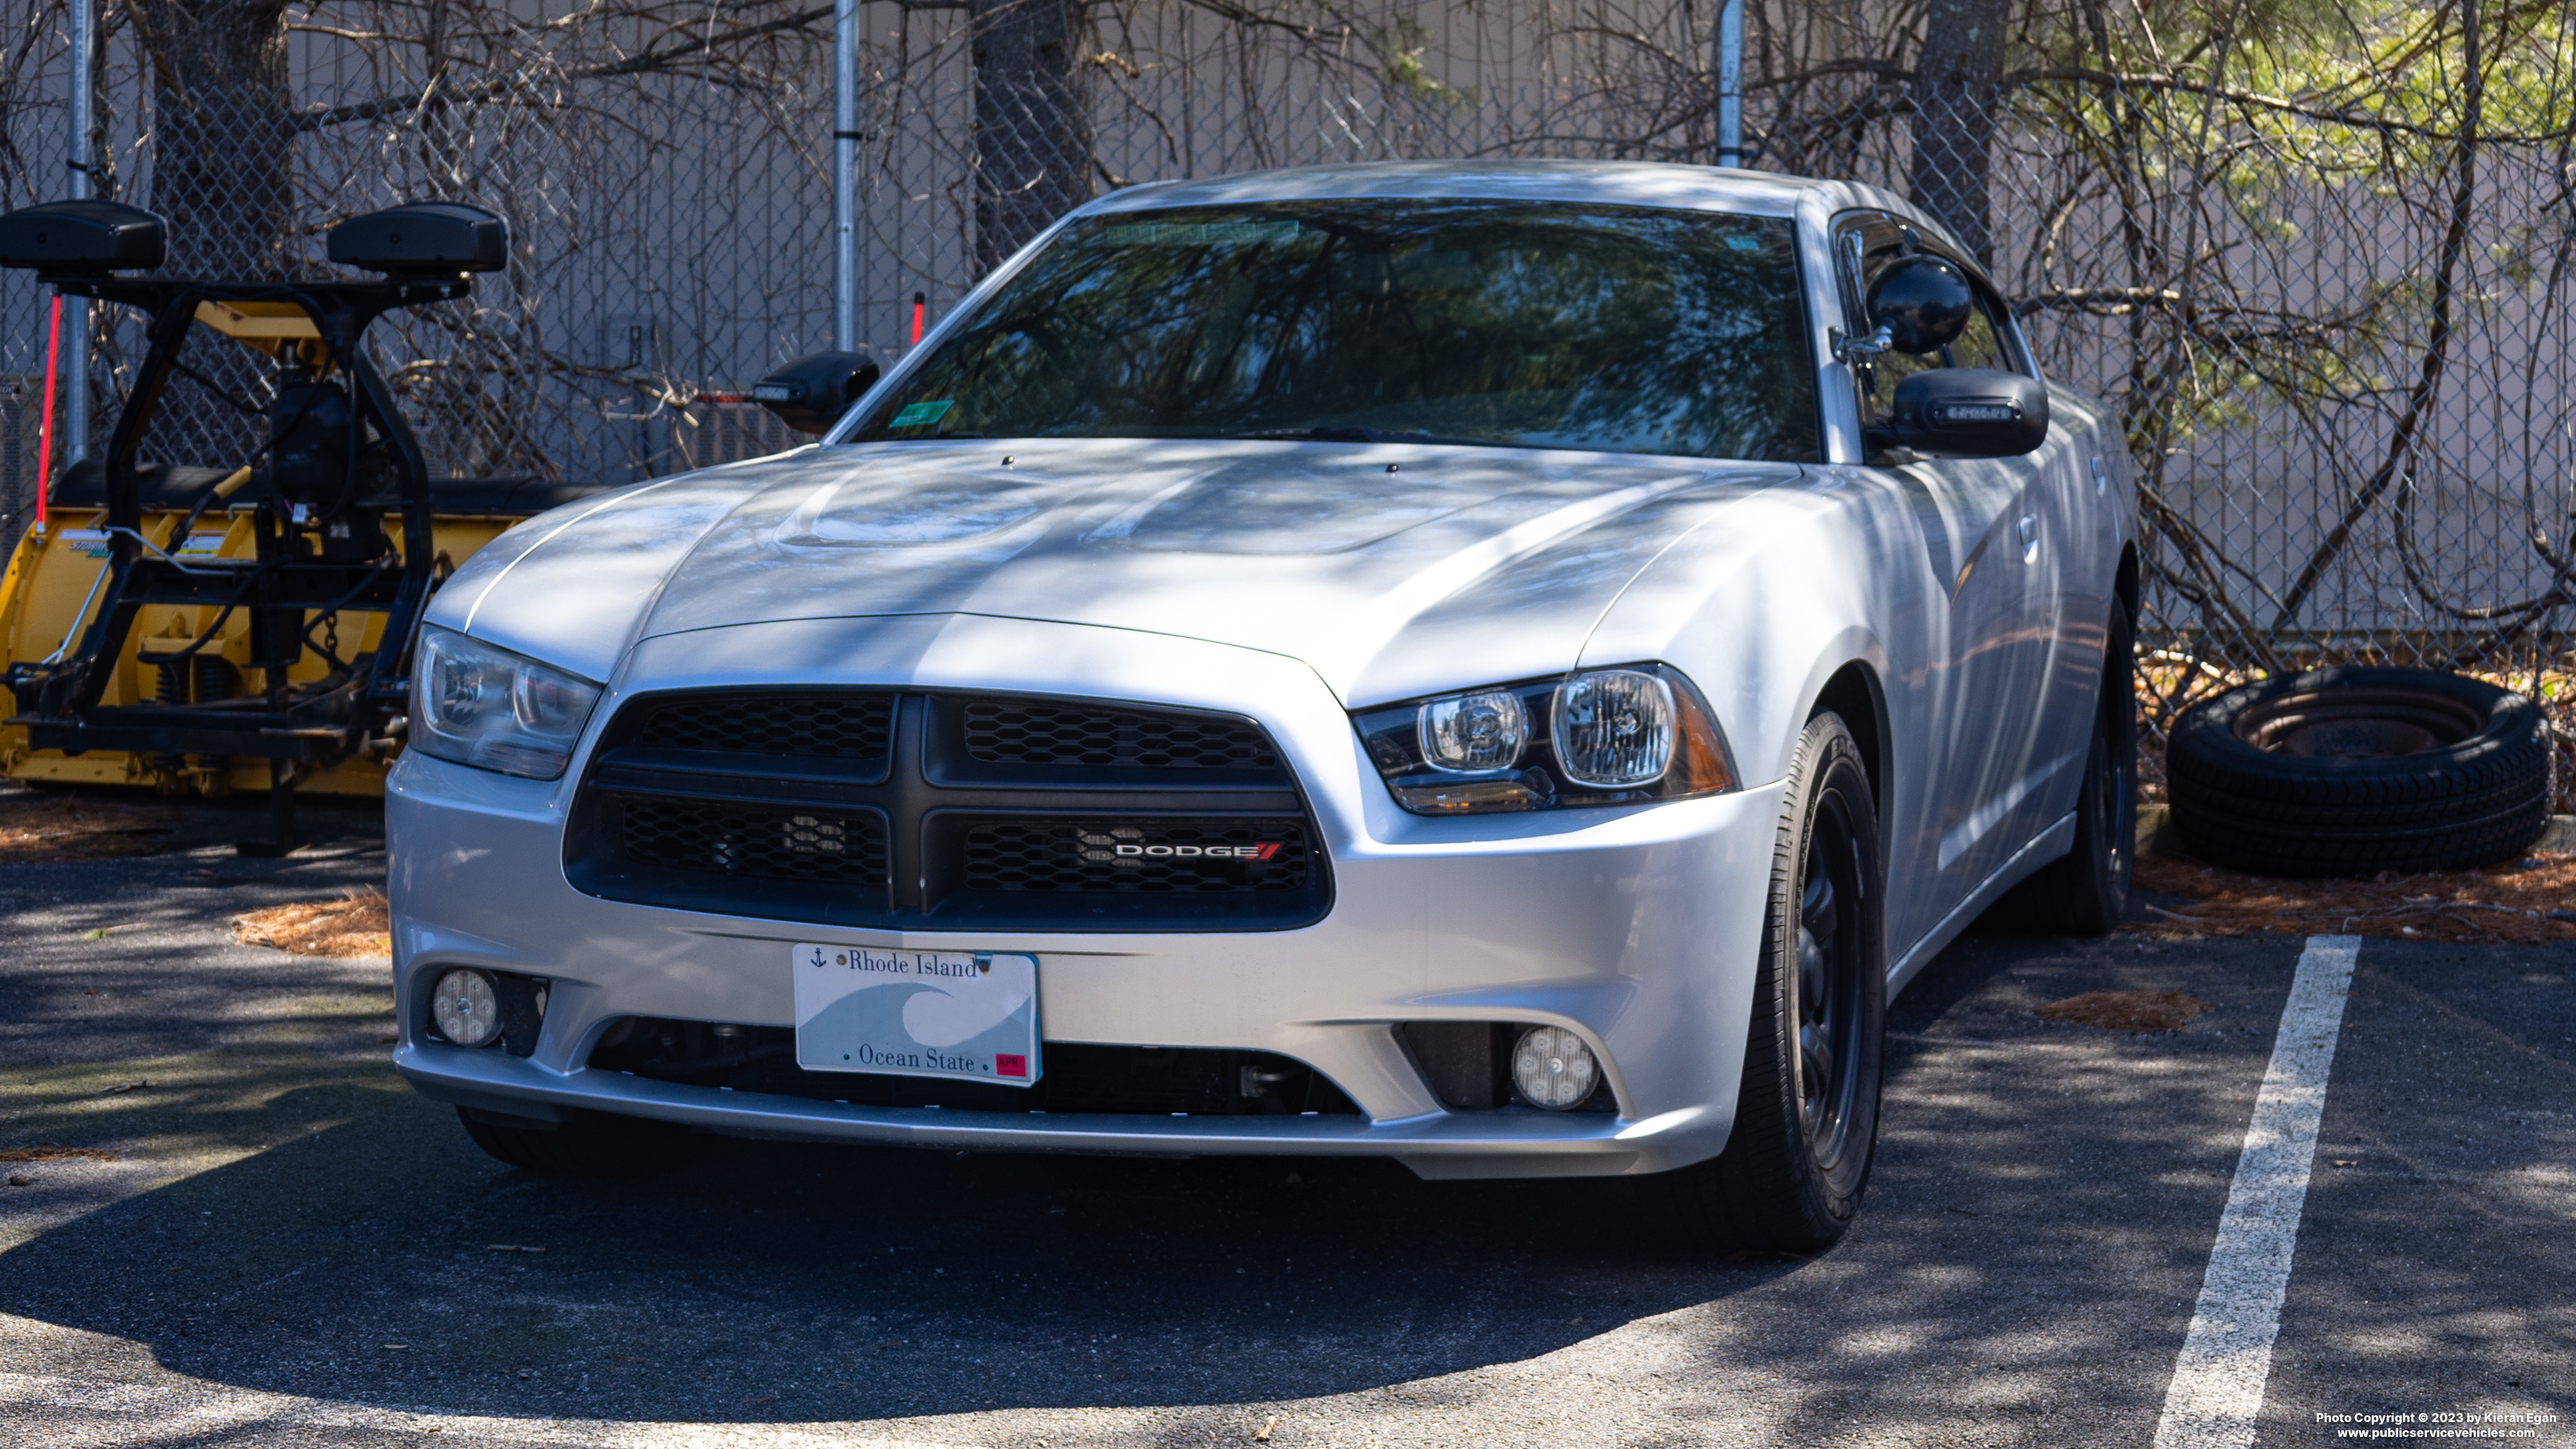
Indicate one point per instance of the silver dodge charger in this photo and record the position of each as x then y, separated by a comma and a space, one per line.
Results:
1502, 666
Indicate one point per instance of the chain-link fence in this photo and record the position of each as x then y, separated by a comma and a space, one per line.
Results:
2317, 257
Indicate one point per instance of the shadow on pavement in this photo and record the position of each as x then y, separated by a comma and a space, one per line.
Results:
774, 1281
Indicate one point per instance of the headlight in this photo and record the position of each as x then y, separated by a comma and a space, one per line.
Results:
1623, 736
1465, 732
482, 706
1614, 728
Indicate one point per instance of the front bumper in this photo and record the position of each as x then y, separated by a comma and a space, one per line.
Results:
1638, 929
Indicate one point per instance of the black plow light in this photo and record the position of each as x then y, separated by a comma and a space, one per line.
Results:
423, 239
82, 238
811, 393
1923, 302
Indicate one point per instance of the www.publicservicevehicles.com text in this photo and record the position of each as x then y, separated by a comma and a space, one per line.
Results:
2438, 1425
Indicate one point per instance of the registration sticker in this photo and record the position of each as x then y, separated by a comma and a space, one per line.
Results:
966, 1015
922, 414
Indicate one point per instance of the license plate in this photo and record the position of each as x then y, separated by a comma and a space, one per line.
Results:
966, 1015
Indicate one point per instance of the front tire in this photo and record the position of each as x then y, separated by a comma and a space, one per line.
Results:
1806, 1117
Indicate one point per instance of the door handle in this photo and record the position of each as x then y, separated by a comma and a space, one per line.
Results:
2028, 528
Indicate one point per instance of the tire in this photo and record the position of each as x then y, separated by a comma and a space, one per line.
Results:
1806, 1117
592, 1144
2086, 891
2351, 772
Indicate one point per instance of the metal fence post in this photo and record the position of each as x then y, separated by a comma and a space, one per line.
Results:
845, 174
76, 309
1730, 83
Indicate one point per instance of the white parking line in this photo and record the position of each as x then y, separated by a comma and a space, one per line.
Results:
2217, 1384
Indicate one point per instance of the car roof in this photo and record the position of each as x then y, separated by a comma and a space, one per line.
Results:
1634, 183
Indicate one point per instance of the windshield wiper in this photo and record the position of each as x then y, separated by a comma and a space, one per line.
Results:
1369, 435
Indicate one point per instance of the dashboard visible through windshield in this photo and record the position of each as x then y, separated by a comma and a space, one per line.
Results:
1538, 325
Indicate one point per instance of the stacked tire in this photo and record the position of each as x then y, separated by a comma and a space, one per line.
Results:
2352, 772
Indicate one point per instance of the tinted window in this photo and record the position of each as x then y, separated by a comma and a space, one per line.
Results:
1621, 329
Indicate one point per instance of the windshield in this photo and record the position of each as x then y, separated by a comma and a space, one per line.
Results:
1620, 329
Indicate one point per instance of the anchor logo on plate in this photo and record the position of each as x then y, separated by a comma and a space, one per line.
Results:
818, 961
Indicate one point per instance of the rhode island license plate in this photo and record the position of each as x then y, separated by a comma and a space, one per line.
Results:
967, 1015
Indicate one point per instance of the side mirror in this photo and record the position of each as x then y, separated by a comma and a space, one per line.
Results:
82, 236
811, 393
423, 239
1923, 302
1969, 412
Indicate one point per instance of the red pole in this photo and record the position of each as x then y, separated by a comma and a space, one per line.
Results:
918, 302
45, 429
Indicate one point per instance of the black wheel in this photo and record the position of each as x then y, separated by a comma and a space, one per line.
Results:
2085, 892
2357, 771
592, 1144
1806, 1118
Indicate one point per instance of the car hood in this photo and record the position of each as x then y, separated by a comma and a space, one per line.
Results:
1391, 569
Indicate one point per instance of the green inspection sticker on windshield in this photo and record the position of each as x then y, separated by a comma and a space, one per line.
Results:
921, 414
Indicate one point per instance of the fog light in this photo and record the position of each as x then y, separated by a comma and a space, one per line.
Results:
466, 1008
1553, 1068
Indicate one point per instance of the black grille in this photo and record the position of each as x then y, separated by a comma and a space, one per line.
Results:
762, 842
1129, 856
793, 724
1042, 732
945, 811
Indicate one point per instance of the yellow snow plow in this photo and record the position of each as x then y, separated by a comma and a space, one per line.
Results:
58, 570
247, 625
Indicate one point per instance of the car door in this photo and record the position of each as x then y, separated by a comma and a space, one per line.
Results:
1989, 529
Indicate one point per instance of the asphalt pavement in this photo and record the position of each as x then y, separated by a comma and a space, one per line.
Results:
289, 1248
